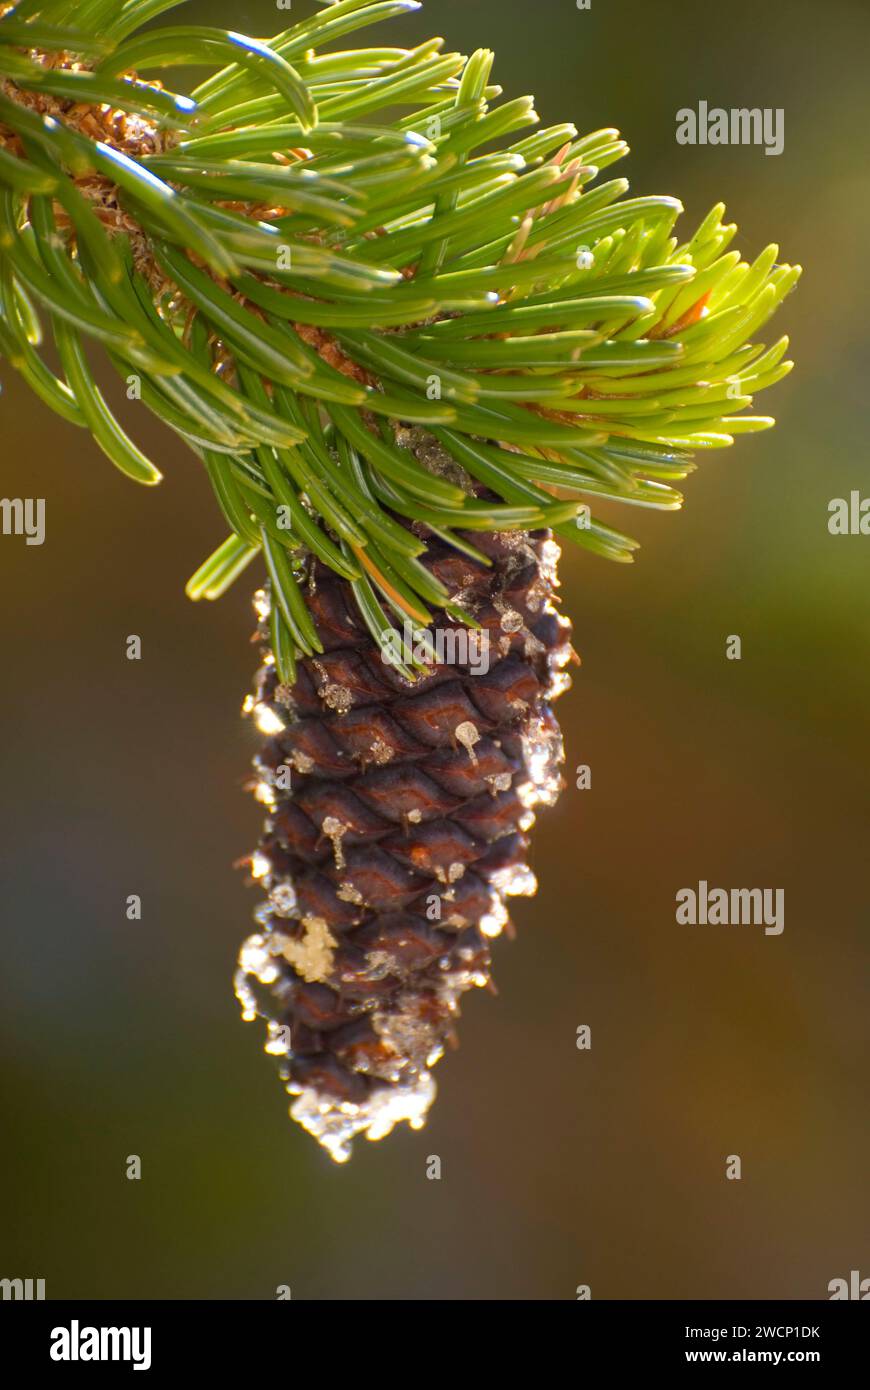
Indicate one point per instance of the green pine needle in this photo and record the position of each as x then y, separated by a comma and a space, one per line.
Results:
304, 285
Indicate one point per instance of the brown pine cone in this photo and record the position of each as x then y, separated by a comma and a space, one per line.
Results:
388, 860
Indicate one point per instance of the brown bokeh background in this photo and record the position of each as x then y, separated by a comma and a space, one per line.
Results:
559, 1167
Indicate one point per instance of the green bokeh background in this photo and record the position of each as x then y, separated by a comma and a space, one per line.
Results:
559, 1167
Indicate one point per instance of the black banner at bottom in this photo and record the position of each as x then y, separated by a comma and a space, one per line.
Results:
252, 1338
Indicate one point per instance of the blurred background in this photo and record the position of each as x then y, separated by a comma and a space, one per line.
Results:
559, 1167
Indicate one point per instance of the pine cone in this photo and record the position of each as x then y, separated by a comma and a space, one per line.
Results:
389, 859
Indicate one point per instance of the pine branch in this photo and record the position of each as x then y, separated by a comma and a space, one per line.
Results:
408, 351
433, 317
